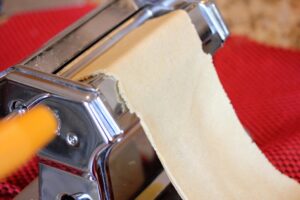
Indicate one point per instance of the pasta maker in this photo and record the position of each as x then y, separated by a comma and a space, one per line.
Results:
100, 151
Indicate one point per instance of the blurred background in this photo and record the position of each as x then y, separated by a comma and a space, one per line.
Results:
274, 22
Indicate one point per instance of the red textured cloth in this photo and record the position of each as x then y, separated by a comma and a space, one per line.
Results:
23, 34
262, 82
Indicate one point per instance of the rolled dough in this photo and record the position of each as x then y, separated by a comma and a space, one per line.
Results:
165, 78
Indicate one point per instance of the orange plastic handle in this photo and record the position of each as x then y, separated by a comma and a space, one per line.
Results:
23, 136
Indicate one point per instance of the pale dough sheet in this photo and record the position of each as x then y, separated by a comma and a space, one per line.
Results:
173, 87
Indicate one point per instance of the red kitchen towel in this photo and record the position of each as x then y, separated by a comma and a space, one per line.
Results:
263, 84
23, 34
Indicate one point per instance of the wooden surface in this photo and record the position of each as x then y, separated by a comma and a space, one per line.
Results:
274, 22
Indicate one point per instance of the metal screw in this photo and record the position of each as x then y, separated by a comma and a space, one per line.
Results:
18, 106
72, 139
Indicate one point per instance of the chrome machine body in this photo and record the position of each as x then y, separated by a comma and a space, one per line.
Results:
101, 151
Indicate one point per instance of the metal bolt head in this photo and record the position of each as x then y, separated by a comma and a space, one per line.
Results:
72, 139
17, 106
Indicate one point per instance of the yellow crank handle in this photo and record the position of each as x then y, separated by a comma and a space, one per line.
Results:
22, 136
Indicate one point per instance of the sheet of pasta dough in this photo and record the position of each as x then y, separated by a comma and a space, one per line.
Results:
173, 87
